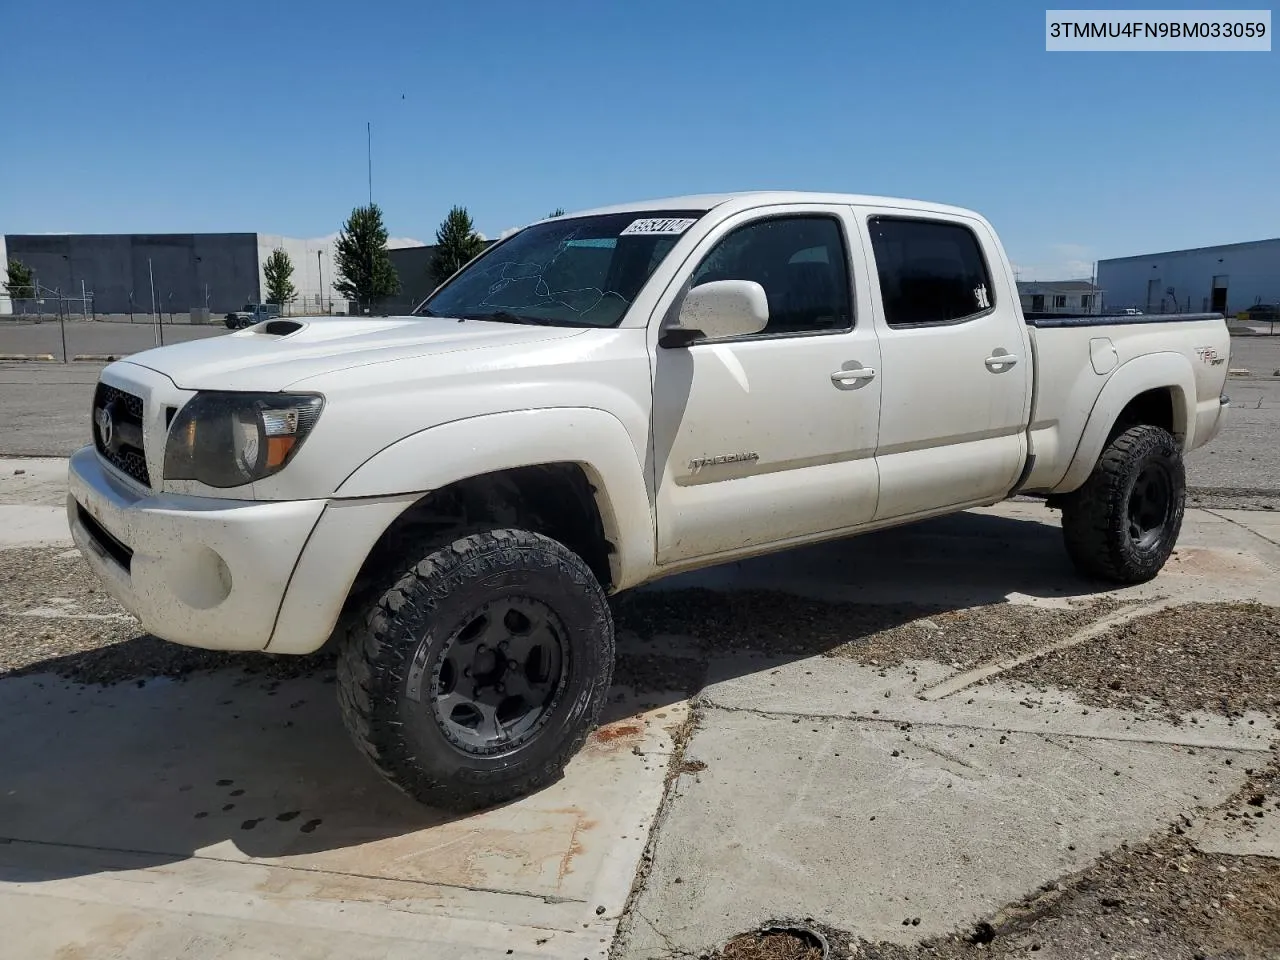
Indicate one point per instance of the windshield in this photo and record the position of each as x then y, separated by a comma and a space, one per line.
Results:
583, 271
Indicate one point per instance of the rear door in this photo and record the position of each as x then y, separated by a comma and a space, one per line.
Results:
768, 438
955, 359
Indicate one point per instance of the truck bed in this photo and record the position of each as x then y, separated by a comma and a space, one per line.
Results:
1049, 320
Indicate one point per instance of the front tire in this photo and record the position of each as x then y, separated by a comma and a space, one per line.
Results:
477, 677
1123, 524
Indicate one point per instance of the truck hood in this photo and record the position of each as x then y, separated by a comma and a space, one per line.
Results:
276, 353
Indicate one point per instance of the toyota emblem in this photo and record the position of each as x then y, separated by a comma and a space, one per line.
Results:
106, 426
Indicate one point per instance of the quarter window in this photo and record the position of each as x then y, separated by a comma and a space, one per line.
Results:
799, 261
930, 271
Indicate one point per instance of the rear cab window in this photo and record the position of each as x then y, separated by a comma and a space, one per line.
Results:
931, 271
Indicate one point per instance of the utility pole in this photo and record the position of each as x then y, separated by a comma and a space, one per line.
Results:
155, 318
62, 326
320, 270
368, 132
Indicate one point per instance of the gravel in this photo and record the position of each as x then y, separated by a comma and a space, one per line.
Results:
1218, 657
56, 618
777, 945
883, 635
1222, 658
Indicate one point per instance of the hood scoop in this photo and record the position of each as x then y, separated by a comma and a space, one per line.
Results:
281, 328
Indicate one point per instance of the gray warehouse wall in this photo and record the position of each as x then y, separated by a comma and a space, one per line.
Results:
1249, 272
413, 267
113, 266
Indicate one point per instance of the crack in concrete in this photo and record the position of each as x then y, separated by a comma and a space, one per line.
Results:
679, 743
1260, 536
1111, 738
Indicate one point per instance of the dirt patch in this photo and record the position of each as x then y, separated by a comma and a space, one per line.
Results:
774, 945
57, 618
885, 635
1219, 658
57, 579
118, 654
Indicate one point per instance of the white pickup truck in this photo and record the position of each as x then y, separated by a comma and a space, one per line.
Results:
597, 401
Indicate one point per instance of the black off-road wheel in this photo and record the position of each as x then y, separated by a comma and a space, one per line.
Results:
479, 674
1124, 522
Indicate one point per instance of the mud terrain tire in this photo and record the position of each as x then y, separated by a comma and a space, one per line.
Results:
479, 674
1123, 523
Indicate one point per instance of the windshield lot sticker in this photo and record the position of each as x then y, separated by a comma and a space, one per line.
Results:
659, 225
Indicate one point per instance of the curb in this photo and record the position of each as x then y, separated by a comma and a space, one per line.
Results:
26, 356
99, 357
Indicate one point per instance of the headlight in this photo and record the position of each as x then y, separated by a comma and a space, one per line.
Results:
230, 439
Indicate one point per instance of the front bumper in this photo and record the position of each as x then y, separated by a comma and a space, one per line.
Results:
199, 571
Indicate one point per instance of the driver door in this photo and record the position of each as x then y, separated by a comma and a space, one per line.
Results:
770, 438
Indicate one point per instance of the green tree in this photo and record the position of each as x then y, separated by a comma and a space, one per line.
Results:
557, 212
20, 284
456, 243
278, 271
365, 271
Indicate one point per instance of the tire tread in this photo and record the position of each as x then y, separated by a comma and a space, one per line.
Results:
372, 662
1094, 516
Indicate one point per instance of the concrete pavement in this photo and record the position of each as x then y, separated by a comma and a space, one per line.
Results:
223, 816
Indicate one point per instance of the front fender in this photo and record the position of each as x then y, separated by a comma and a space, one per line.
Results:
592, 438
1152, 371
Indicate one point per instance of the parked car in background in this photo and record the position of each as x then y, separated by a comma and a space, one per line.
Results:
251, 314
1260, 313
594, 403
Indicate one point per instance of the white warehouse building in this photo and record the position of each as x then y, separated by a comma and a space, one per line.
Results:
1225, 279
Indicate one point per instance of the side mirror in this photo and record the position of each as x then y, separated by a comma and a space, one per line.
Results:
722, 308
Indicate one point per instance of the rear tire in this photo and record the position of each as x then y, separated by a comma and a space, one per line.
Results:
1123, 524
480, 673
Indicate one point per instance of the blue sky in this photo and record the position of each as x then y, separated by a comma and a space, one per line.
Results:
246, 115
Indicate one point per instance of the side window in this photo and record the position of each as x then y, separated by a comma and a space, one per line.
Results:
800, 262
930, 271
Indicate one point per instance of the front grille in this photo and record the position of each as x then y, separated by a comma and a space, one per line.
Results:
123, 447
117, 550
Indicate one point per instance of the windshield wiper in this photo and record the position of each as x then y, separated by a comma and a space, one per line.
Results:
501, 316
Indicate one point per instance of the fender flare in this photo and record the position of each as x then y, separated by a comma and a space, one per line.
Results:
592, 438
1153, 371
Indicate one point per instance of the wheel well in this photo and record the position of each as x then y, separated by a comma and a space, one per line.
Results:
555, 499
1151, 408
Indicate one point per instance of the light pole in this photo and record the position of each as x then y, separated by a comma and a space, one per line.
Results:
320, 270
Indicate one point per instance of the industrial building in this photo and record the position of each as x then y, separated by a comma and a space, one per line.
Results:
1068, 297
219, 272
1226, 279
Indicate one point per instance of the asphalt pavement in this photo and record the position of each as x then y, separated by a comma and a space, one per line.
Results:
100, 339
46, 405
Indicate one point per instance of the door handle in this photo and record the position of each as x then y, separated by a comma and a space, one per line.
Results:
853, 376
1000, 360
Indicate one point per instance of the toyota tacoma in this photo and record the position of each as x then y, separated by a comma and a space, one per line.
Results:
597, 401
